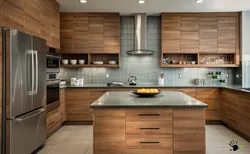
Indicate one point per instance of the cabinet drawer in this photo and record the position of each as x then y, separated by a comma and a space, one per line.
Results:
149, 114
149, 128
149, 142
149, 151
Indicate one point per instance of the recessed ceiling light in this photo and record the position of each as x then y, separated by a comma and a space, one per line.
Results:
83, 1
198, 1
141, 1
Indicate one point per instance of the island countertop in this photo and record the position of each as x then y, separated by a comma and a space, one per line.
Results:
171, 99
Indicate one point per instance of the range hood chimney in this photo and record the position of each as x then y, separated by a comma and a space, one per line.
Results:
140, 36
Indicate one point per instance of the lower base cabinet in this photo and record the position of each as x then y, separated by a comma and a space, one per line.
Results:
53, 121
113, 133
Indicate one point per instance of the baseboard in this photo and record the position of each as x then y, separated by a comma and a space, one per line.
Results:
78, 122
213, 122
243, 135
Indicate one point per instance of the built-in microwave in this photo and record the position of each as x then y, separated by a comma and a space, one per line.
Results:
53, 63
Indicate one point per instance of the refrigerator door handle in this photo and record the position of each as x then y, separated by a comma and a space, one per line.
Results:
33, 69
30, 115
36, 69
30, 52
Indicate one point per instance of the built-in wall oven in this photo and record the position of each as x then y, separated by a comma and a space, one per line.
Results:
53, 95
53, 82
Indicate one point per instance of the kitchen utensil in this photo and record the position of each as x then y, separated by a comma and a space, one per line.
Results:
81, 81
65, 61
73, 61
161, 79
73, 81
98, 62
132, 80
81, 61
146, 94
112, 62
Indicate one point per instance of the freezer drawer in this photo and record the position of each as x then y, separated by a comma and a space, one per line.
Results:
27, 133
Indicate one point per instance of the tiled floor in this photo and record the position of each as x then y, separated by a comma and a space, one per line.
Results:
78, 140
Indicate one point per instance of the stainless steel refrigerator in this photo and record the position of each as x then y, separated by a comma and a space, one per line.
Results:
24, 92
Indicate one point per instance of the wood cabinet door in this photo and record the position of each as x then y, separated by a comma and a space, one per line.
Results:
45, 19
55, 25
112, 33
13, 14
171, 34
189, 34
66, 32
227, 34
80, 33
95, 33
208, 35
32, 17
210, 96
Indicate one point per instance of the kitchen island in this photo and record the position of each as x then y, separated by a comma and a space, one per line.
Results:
169, 123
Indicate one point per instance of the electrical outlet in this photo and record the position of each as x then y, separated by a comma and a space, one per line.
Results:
107, 75
180, 75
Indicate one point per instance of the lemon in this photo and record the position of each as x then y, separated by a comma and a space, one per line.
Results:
156, 90
147, 91
139, 91
151, 91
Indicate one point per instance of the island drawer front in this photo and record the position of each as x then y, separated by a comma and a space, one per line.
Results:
148, 114
149, 128
149, 151
149, 142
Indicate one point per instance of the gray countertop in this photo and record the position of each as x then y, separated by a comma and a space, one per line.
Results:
233, 87
165, 99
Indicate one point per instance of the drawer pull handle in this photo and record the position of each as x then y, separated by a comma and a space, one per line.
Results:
148, 114
149, 128
149, 142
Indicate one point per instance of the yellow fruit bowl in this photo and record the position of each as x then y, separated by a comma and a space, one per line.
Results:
146, 92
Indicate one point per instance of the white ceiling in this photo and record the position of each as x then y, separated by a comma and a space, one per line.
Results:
126, 7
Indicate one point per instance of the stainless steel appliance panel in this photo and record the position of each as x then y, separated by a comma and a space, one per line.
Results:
39, 91
27, 133
53, 95
19, 73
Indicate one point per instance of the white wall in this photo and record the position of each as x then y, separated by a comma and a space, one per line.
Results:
245, 48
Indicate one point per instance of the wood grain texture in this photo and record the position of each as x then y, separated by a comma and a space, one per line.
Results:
211, 97
201, 33
53, 121
149, 128
109, 132
148, 114
189, 130
149, 151
149, 141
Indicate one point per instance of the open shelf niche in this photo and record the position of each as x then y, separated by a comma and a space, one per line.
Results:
89, 58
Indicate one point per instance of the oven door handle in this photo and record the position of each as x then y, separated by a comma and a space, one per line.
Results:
53, 56
53, 83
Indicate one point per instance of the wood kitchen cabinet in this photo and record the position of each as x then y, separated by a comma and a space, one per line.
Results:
90, 33
40, 18
53, 121
77, 104
211, 97
208, 35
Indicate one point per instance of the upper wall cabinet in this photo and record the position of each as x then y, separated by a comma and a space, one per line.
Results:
204, 39
200, 32
40, 18
90, 33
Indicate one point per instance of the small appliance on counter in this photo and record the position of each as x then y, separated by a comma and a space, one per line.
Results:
161, 79
200, 81
132, 80
77, 82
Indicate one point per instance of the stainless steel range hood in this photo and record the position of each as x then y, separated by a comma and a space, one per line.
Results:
141, 36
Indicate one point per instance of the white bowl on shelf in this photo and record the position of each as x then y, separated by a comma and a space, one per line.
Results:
112, 62
98, 62
193, 62
65, 61
81, 61
73, 61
